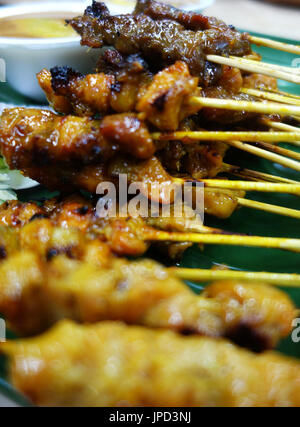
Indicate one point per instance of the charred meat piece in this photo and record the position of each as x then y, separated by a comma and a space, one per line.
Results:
69, 92
132, 76
160, 42
114, 88
197, 160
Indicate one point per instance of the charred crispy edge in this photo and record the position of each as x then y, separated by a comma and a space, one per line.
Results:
61, 77
246, 336
54, 252
97, 10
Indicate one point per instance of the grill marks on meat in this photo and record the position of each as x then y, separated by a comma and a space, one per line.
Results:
69, 92
164, 97
114, 88
161, 42
165, 101
33, 138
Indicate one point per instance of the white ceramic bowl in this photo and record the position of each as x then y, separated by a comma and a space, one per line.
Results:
25, 57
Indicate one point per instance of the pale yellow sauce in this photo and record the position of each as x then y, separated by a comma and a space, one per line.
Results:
35, 28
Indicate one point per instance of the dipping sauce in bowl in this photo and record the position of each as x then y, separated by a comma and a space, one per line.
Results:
34, 36
30, 27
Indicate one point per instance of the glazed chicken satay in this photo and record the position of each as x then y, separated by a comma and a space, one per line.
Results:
164, 102
56, 226
69, 92
102, 287
130, 87
115, 88
58, 163
38, 137
110, 364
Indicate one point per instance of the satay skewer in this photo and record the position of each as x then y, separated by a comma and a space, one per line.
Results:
284, 127
269, 66
279, 210
269, 96
249, 106
273, 44
281, 92
289, 244
190, 136
266, 207
278, 150
266, 154
203, 275
245, 65
255, 175
252, 186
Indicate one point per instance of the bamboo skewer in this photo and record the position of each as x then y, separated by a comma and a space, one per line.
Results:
255, 175
267, 65
254, 68
188, 137
260, 41
281, 126
267, 187
292, 213
270, 96
201, 275
280, 92
278, 150
249, 106
216, 239
273, 157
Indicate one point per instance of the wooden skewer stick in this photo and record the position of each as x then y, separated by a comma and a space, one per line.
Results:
292, 213
249, 106
297, 118
199, 275
216, 239
283, 127
255, 175
254, 68
273, 157
260, 41
268, 66
270, 96
189, 137
280, 92
278, 150
267, 187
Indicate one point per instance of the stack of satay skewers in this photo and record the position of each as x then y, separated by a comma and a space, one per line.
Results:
172, 92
